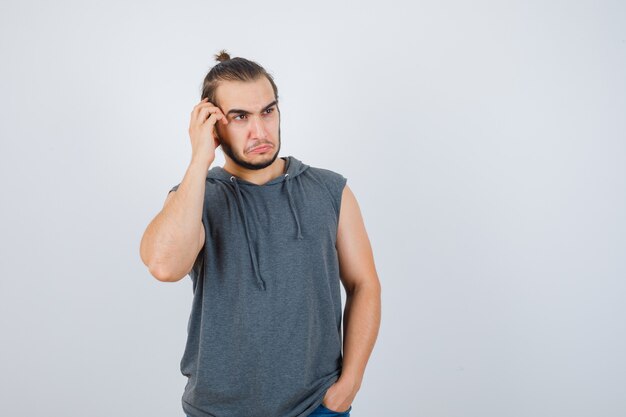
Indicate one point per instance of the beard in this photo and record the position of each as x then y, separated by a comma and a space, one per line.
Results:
248, 165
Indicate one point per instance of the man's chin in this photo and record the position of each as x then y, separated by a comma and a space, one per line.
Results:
266, 160
264, 164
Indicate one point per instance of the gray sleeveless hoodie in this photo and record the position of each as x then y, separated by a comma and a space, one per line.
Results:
264, 333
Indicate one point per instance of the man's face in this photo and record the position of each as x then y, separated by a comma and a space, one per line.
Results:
253, 121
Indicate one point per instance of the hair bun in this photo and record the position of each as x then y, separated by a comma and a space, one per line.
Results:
222, 56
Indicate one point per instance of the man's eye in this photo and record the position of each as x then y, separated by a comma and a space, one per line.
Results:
270, 110
241, 115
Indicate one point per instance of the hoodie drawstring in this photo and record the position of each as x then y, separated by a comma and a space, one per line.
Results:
293, 208
253, 255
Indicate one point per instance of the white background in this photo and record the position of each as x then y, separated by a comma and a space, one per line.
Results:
485, 142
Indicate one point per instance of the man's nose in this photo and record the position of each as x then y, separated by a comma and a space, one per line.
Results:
258, 128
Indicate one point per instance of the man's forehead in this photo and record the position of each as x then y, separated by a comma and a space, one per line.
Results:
246, 95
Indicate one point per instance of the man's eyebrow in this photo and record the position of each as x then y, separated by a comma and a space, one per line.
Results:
241, 111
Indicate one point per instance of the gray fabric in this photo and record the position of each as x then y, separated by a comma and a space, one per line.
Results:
264, 332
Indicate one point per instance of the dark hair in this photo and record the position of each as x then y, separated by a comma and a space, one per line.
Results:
232, 69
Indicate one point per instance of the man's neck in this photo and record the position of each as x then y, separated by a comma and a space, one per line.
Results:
259, 176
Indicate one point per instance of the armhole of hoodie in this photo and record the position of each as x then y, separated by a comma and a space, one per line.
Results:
339, 183
174, 188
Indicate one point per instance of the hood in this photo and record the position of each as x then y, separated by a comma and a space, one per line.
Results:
293, 168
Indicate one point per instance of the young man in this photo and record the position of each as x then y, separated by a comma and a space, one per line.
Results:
267, 242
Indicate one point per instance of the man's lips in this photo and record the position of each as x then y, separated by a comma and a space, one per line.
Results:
261, 148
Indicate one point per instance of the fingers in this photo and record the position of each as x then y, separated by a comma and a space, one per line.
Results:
203, 110
213, 117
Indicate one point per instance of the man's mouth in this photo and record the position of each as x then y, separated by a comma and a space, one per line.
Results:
261, 148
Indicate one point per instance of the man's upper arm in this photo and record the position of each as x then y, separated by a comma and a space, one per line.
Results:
201, 235
356, 260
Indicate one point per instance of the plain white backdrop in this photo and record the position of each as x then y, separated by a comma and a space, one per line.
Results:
485, 142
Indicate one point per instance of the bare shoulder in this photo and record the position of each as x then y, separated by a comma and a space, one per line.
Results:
350, 211
356, 260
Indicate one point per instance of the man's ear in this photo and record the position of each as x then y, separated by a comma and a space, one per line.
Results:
217, 134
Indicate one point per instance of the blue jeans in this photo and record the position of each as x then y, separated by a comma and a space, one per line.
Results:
322, 411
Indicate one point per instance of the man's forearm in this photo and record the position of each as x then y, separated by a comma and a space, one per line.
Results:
360, 330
